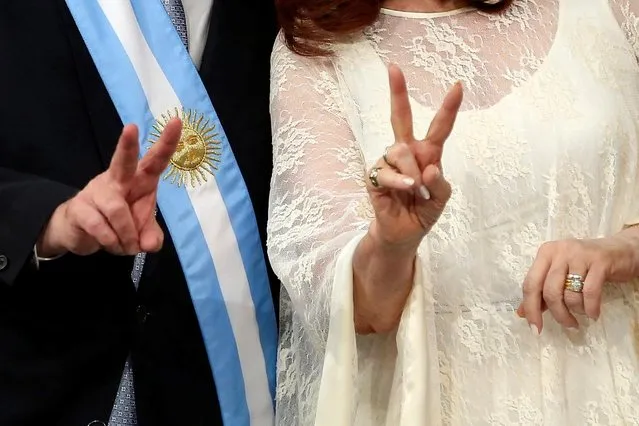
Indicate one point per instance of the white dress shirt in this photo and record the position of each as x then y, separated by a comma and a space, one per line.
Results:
198, 13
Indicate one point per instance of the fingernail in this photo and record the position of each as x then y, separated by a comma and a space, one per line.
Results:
572, 330
534, 330
423, 191
409, 181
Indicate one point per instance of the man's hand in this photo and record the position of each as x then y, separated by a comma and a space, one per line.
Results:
116, 210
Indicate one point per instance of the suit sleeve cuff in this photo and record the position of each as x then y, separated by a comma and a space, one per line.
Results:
29, 205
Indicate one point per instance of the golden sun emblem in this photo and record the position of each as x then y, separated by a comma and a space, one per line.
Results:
198, 151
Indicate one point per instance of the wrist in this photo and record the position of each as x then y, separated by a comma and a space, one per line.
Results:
382, 280
627, 243
403, 248
50, 244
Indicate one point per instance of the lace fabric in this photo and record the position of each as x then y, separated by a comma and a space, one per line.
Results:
546, 148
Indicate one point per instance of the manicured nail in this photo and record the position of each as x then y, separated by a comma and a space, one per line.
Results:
423, 191
408, 181
534, 330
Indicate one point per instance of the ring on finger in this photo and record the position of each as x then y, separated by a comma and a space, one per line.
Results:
574, 283
373, 175
385, 156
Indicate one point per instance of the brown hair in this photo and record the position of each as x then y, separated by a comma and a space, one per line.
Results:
310, 26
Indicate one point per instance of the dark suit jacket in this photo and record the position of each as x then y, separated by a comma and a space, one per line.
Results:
66, 330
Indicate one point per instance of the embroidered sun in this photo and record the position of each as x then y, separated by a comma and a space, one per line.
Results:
198, 152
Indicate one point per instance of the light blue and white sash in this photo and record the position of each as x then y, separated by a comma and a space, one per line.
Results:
203, 198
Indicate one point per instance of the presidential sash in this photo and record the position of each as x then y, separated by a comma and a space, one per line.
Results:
203, 198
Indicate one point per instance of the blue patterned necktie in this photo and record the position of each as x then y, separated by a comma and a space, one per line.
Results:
124, 412
175, 9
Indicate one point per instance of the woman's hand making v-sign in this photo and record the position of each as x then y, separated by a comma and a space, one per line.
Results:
408, 192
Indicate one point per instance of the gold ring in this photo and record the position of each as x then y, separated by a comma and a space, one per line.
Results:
373, 175
385, 156
574, 283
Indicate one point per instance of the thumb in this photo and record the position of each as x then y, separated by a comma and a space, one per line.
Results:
437, 185
151, 236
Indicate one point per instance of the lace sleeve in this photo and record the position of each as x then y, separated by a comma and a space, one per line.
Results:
318, 198
319, 210
627, 13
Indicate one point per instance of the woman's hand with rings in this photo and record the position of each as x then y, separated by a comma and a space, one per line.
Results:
406, 186
567, 278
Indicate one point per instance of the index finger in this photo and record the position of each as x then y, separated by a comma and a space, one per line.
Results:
157, 158
124, 162
533, 293
443, 122
401, 114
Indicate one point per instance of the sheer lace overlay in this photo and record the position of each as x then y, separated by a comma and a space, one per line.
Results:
546, 148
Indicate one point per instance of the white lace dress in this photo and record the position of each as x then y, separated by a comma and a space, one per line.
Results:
546, 148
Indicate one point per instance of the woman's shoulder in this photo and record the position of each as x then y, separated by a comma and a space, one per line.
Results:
299, 81
291, 71
283, 55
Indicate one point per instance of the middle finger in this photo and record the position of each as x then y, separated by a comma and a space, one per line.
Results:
159, 155
532, 305
444, 120
431, 149
575, 301
554, 294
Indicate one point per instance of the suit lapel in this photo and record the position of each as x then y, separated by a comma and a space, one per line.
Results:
213, 39
213, 49
101, 112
